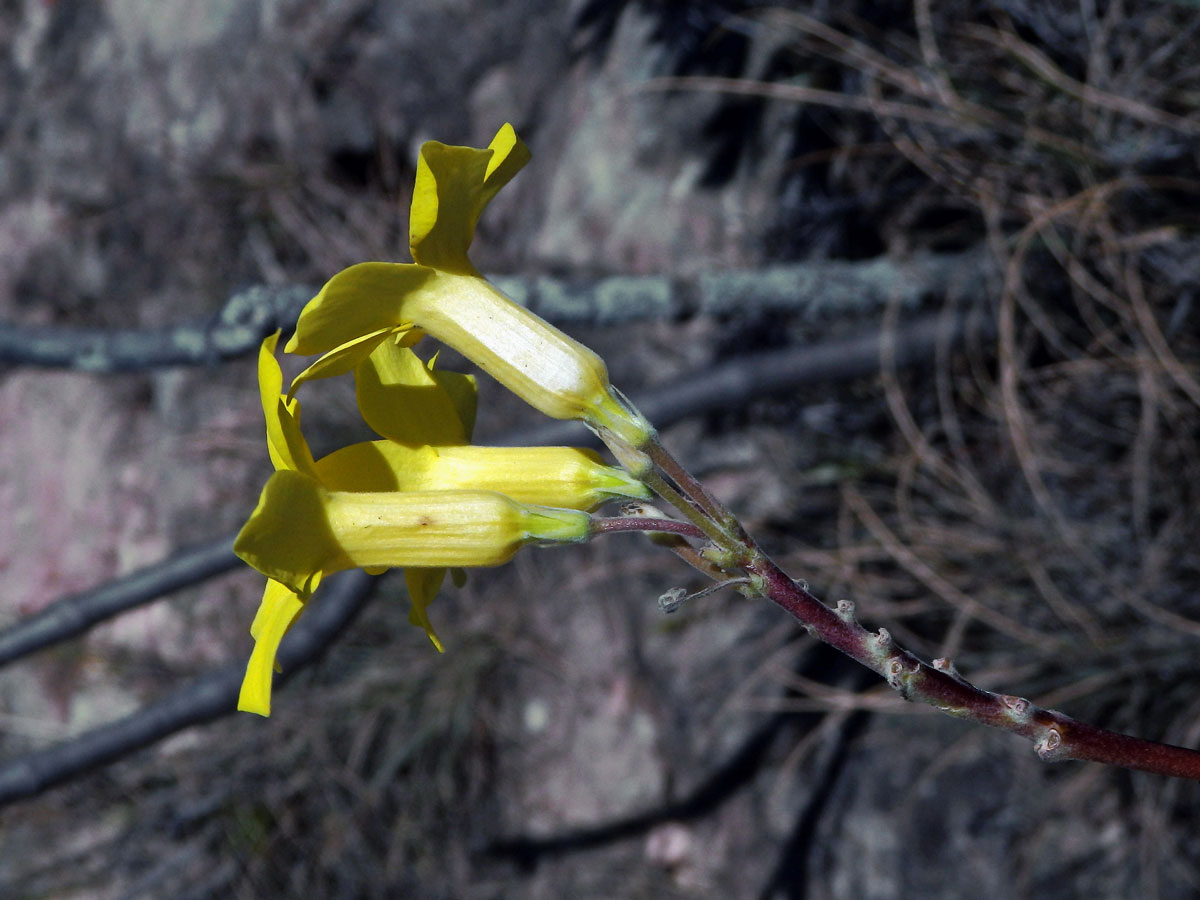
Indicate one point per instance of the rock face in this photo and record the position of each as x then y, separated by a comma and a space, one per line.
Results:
157, 157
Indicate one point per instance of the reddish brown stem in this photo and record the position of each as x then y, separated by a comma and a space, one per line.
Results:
694, 491
1055, 736
643, 523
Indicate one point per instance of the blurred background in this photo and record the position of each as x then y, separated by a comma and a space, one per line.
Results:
711, 182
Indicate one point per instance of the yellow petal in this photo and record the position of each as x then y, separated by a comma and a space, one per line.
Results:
423, 586
463, 391
443, 528
374, 466
278, 611
287, 537
358, 301
270, 377
266, 606
509, 156
285, 443
453, 186
402, 400
342, 358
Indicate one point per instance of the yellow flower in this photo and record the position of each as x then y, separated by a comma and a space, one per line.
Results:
443, 294
301, 531
302, 528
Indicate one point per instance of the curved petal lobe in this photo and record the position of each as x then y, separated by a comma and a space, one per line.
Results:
402, 400
279, 609
423, 586
364, 298
454, 185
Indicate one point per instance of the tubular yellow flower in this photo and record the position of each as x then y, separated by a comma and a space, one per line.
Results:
432, 411
301, 531
444, 295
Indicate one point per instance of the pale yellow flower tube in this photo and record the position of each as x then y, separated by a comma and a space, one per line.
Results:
540, 364
569, 477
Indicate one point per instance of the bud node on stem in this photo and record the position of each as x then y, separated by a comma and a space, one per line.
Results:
1050, 745
1019, 706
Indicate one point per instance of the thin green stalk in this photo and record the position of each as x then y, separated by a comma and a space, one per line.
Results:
694, 514
697, 493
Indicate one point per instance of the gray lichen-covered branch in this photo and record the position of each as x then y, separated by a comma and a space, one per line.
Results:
820, 289
208, 697
235, 330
